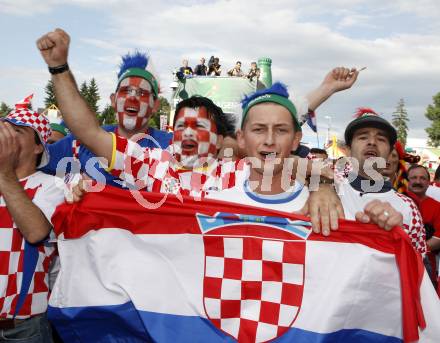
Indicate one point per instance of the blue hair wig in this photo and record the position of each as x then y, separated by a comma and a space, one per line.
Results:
135, 60
277, 88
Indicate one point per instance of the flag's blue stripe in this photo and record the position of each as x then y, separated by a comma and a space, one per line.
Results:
124, 324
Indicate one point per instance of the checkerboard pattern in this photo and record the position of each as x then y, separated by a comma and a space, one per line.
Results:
30, 118
76, 144
253, 287
413, 226
11, 269
157, 170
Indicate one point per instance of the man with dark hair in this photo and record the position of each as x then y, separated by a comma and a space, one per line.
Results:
214, 67
27, 201
201, 69
236, 71
254, 72
418, 182
370, 139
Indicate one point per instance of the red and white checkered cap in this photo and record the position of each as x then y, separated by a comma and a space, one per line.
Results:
39, 122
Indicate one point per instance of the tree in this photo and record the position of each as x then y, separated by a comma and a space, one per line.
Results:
4, 109
164, 109
108, 116
400, 120
83, 89
92, 96
90, 93
433, 114
50, 98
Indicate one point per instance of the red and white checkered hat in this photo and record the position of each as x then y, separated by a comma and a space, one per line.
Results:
23, 116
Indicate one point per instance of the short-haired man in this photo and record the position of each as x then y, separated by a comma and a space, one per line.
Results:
201, 69
368, 138
418, 182
236, 71
135, 101
254, 72
27, 201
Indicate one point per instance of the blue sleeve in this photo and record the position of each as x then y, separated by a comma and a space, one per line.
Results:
58, 150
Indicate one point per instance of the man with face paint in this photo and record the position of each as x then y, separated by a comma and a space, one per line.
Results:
135, 101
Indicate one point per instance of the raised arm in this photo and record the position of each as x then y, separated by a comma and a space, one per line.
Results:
54, 47
336, 80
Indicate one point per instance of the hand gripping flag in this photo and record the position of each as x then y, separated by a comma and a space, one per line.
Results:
210, 271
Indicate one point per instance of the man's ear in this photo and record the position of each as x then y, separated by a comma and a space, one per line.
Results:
38, 149
113, 100
240, 140
296, 140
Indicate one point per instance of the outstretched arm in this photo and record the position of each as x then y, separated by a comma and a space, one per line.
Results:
336, 80
54, 47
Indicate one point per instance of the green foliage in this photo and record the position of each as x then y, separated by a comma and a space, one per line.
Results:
92, 97
433, 114
4, 109
83, 89
400, 121
164, 109
50, 95
107, 116
90, 93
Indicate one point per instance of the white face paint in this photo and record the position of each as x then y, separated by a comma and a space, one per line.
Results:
134, 103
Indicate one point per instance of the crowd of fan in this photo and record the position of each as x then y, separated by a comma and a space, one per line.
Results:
214, 69
28, 163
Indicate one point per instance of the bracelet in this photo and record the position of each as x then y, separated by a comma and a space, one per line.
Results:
59, 69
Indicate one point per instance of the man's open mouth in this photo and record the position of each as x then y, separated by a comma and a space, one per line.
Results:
189, 145
130, 110
268, 155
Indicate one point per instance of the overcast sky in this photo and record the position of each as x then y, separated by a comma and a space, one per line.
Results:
397, 40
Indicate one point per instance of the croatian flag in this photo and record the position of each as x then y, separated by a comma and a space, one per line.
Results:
209, 271
311, 120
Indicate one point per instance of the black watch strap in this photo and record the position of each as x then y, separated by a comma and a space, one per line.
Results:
59, 69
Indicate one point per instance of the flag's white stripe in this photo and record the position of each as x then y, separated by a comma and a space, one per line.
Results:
164, 274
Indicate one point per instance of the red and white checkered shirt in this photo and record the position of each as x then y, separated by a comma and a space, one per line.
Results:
354, 201
157, 170
41, 188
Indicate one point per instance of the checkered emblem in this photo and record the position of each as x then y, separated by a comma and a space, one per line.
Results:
254, 274
39, 122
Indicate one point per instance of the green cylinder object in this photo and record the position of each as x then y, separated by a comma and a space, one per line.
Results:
265, 65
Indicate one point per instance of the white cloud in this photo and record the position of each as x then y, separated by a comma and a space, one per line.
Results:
302, 43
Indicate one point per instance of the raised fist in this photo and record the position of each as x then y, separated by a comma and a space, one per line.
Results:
54, 47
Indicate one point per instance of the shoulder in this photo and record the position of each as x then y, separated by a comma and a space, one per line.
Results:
109, 128
164, 138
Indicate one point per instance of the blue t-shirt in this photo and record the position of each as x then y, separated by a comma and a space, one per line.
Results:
79, 155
